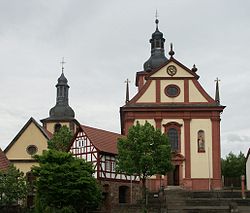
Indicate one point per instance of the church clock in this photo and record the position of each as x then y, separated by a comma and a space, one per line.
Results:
171, 70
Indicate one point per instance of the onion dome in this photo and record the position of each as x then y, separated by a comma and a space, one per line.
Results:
62, 110
157, 57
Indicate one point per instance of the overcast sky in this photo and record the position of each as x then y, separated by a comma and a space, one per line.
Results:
105, 42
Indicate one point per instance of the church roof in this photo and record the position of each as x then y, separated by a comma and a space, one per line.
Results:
4, 162
104, 141
45, 132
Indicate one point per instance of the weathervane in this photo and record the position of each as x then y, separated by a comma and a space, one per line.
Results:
62, 62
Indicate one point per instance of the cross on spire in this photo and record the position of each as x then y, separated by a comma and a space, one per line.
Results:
127, 91
217, 80
156, 14
62, 62
156, 18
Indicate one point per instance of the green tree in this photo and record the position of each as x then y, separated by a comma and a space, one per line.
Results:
61, 139
233, 165
144, 152
12, 186
65, 182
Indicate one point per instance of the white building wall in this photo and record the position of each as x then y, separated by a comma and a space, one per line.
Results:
201, 162
248, 173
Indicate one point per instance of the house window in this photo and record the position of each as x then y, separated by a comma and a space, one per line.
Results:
201, 141
112, 166
108, 166
173, 131
31, 149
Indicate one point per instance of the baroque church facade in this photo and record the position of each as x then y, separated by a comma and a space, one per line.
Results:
170, 98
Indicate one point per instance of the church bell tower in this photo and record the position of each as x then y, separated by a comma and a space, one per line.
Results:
61, 114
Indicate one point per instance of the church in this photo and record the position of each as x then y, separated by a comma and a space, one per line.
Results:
170, 98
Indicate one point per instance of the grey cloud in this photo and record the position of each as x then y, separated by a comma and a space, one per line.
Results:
237, 138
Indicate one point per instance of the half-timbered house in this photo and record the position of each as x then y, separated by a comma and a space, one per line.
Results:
100, 147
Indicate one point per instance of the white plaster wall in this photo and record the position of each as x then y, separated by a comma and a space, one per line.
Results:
179, 98
201, 163
149, 95
194, 93
248, 173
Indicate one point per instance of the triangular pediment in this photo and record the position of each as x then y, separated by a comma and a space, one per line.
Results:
165, 72
32, 134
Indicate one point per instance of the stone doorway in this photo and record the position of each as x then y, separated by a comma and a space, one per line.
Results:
123, 194
174, 176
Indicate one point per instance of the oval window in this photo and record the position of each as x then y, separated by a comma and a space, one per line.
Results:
172, 90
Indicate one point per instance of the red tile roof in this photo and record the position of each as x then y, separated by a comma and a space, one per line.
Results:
103, 140
4, 162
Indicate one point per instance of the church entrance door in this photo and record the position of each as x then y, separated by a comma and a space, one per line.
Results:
174, 177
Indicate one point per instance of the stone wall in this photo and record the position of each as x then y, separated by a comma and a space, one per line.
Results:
119, 193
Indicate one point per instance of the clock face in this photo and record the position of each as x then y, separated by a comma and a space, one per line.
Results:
171, 70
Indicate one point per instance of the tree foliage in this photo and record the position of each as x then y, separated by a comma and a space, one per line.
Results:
144, 152
12, 186
65, 182
61, 139
233, 165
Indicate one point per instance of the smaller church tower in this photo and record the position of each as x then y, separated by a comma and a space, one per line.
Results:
61, 114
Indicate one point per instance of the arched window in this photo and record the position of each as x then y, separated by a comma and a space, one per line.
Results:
57, 127
173, 138
201, 141
173, 131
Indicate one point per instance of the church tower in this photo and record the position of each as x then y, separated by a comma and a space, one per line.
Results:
61, 114
171, 98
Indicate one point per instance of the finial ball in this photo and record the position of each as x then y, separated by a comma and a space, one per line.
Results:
194, 69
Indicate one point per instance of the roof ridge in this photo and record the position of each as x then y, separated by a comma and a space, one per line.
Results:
103, 130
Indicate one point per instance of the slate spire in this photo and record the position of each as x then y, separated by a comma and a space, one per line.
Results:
127, 91
217, 92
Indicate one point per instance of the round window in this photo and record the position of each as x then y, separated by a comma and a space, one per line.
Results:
31, 149
172, 90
